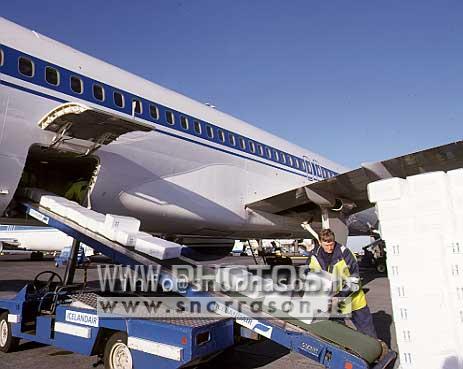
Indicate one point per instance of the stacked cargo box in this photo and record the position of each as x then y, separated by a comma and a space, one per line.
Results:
421, 221
117, 228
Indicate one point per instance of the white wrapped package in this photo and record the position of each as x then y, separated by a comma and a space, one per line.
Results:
386, 189
157, 247
80, 215
233, 278
126, 239
122, 223
109, 233
47, 201
143, 234
95, 221
428, 183
115, 223
396, 230
318, 284
258, 288
318, 289
393, 209
69, 209
429, 193
238, 279
122, 237
61, 209
455, 178
57, 204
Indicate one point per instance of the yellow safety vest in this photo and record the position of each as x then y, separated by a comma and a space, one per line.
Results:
77, 191
340, 269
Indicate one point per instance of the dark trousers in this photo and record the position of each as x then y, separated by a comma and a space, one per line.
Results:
362, 320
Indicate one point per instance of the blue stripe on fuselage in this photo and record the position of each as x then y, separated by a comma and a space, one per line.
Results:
11, 69
24, 89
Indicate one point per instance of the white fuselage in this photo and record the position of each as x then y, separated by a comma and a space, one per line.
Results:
175, 180
33, 238
39, 239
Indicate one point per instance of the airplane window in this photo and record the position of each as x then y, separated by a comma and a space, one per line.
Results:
324, 172
283, 158
170, 117
296, 162
252, 146
210, 132
197, 127
269, 153
26, 67
276, 156
242, 143
260, 149
76, 84
291, 163
137, 106
52, 76
98, 92
303, 164
118, 99
231, 139
154, 112
221, 135
184, 122
1, 57
311, 168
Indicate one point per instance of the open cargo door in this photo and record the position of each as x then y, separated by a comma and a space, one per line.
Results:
77, 121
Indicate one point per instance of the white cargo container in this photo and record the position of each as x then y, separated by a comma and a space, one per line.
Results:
421, 220
122, 223
157, 247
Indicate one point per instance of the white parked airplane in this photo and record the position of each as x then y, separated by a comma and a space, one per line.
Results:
186, 170
35, 239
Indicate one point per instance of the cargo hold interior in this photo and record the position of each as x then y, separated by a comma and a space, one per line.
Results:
56, 170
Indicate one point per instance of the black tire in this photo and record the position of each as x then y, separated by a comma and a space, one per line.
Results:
37, 256
381, 268
116, 340
8, 343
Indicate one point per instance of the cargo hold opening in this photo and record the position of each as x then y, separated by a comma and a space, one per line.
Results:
56, 170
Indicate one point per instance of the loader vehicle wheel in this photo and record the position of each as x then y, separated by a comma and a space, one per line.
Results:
117, 354
8, 343
381, 268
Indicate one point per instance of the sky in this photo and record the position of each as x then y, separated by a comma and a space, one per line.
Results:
356, 81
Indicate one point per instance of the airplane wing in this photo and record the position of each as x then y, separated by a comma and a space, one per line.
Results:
351, 187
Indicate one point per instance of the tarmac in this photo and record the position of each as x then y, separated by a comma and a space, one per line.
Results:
17, 270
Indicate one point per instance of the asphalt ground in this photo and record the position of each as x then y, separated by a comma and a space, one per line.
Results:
17, 270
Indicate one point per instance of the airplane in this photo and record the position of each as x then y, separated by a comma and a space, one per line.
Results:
188, 171
35, 239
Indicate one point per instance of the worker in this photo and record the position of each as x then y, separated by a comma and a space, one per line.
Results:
338, 260
28, 179
77, 190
